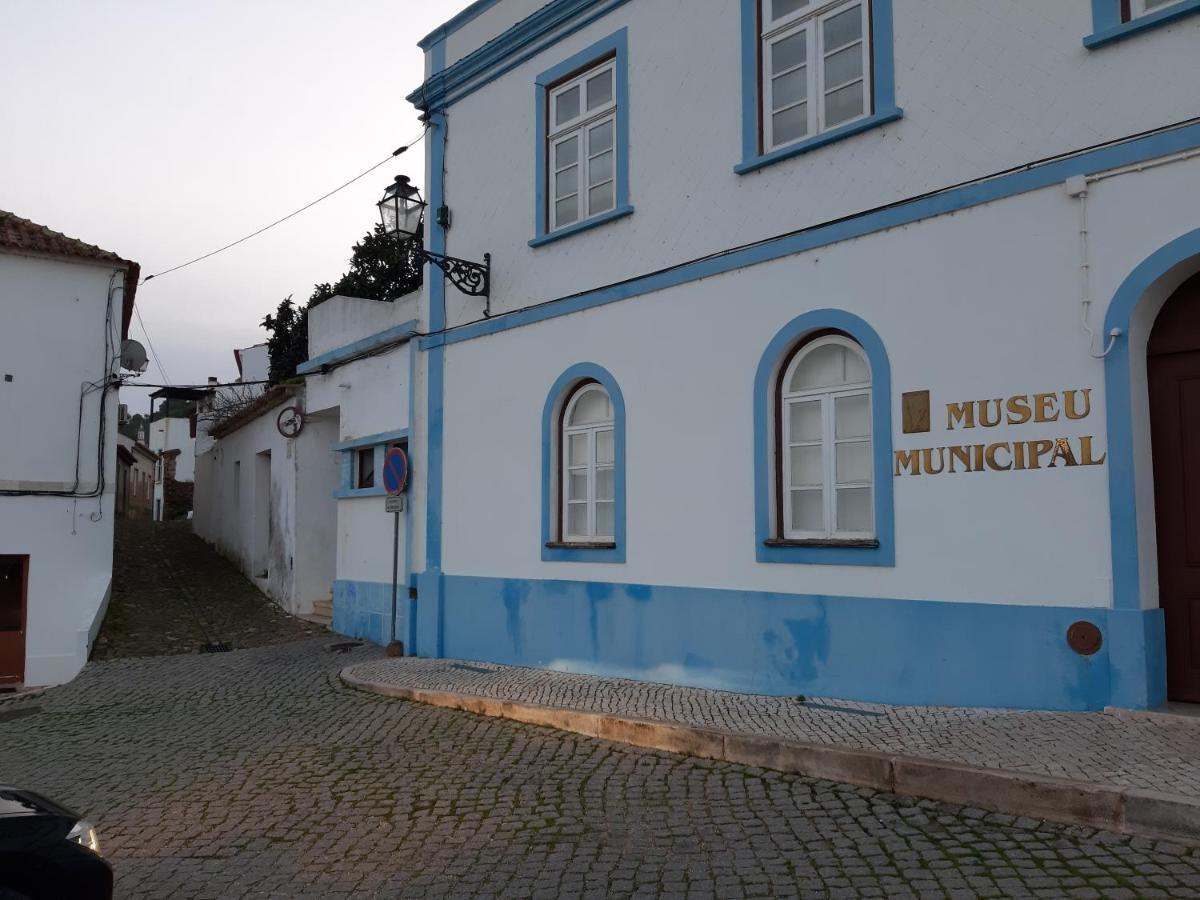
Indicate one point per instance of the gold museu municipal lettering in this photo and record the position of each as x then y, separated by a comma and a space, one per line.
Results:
1008, 456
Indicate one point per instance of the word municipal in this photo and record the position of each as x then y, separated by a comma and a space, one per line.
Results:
1008, 456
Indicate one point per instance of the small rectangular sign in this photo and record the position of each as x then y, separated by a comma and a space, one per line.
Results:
914, 405
394, 503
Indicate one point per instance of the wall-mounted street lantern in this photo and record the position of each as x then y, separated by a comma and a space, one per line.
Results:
401, 210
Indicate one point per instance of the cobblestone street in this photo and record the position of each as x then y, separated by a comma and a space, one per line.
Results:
1153, 752
258, 774
173, 594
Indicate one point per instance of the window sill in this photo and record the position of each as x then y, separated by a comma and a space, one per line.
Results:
559, 551
820, 140
550, 237
860, 543
1140, 24
354, 493
852, 553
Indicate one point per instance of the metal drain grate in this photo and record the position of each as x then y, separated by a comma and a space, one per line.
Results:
215, 647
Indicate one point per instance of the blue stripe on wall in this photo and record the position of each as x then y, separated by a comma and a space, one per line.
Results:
426, 632
395, 335
437, 321
554, 22
363, 609
1031, 178
890, 651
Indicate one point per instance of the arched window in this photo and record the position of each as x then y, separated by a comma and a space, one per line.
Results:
587, 452
583, 467
825, 483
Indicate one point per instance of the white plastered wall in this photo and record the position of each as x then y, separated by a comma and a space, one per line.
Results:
51, 343
966, 116
303, 472
984, 303
370, 397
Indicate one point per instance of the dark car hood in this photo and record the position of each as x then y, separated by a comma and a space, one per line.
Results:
29, 819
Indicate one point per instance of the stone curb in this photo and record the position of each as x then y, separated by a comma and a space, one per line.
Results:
1123, 810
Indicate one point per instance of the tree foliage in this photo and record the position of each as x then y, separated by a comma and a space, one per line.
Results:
381, 268
288, 344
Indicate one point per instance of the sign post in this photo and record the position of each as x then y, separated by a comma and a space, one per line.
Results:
395, 482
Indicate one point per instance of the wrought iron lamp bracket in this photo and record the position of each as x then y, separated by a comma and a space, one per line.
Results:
472, 278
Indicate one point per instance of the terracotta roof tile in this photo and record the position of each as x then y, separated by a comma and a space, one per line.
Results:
19, 235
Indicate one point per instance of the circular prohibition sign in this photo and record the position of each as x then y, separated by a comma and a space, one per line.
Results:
395, 471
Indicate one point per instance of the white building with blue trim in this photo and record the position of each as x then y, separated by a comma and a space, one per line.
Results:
833, 347
361, 376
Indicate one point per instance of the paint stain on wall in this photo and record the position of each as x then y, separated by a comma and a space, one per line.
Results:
800, 650
514, 594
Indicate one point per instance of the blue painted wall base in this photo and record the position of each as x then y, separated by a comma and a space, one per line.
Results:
363, 609
889, 651
1137, 649
430, 609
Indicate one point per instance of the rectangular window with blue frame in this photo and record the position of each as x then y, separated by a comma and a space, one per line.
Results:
813, 72
362, 463
1115, 20
582, 114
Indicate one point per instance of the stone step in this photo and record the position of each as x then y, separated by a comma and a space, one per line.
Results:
322, 613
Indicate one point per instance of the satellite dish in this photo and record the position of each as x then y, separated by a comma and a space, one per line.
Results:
133, 356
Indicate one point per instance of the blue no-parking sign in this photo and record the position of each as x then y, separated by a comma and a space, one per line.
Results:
395, 471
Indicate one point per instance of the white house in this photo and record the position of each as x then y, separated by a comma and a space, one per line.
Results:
361, 376
837, 347
253, 363
136, 465
264, 496
66, 308
173, 437
299, 504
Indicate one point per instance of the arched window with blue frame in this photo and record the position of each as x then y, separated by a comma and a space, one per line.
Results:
583, 468
823, 444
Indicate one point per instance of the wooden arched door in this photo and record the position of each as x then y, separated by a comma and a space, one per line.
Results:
1173, 369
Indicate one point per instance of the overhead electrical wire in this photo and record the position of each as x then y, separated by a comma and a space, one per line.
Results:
158, 362
297, 212
194, 387
399, 150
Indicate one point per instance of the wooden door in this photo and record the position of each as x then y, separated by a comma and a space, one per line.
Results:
14, 572
1173, 362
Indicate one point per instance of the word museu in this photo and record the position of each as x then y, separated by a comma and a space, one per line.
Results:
1007, 456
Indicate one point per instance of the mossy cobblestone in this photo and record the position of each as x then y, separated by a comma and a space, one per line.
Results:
258, 774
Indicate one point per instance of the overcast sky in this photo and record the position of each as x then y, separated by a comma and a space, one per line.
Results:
162, 129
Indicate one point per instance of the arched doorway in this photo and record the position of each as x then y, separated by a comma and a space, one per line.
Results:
1173, 376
